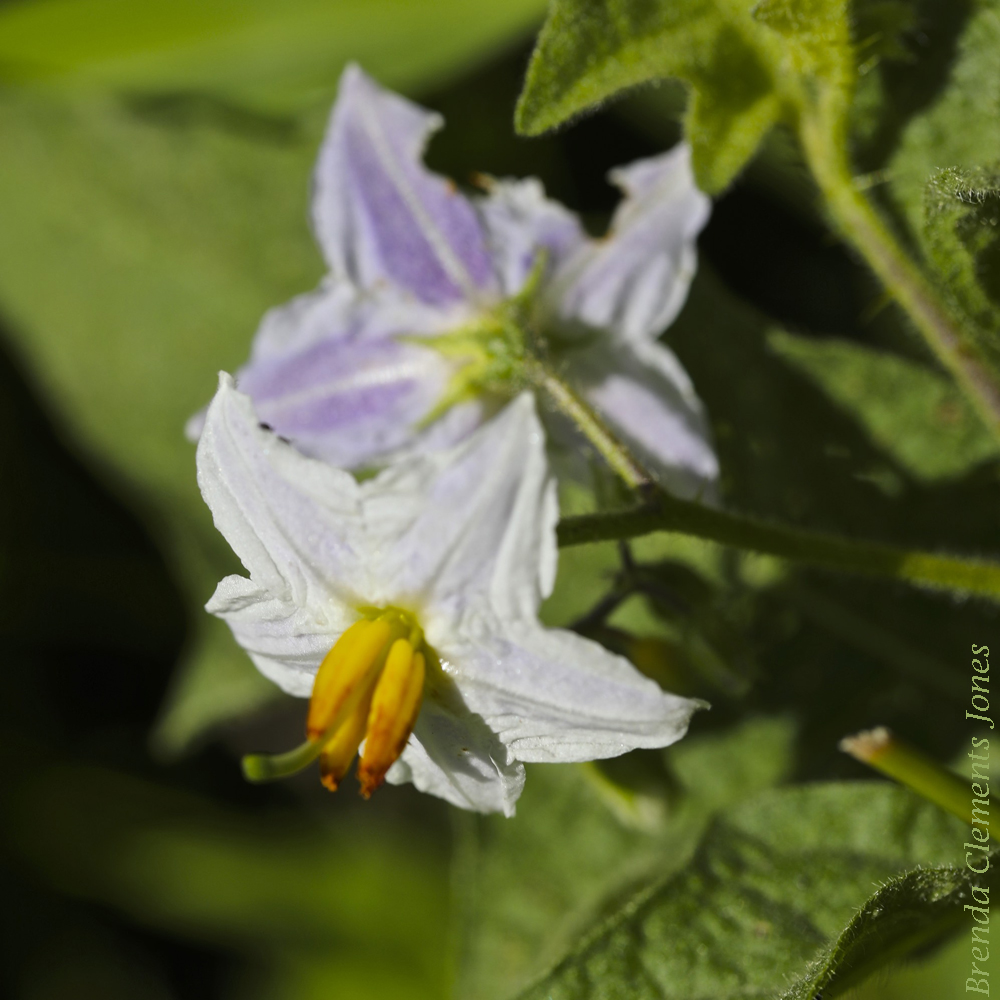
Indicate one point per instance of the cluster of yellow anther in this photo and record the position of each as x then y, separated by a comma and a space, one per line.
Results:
368, 688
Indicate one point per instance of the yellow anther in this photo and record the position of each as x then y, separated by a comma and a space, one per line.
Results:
393, 712
335, 760
368, 687
339, 680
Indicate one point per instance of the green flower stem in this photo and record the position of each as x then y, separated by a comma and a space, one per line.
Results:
869, 234
667, 513
566, 400
885, 752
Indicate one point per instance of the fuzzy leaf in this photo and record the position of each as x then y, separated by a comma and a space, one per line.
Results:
911, 412
960, 127
962, 236
919, 907
745, 73
771, 886
530, 886
816, 37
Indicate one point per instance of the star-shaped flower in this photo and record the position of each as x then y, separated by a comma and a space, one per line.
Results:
409, 601
358, 371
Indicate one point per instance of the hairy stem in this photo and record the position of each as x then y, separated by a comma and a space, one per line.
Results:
663, 512
667, 513
568, 402
903, 279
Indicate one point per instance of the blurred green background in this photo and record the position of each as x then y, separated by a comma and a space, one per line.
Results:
154, 174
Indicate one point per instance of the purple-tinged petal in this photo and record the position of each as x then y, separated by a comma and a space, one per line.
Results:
647, 397
330, 373
635, 280
380, 215
519, 221
352, 403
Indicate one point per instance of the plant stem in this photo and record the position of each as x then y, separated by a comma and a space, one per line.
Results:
594, 429
868, 233
886, 752
667, 513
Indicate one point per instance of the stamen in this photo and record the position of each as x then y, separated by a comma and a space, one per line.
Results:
335, 760
368, 687
342, 670
337, 691
394, 709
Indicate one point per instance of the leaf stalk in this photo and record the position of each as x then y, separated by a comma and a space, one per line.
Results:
862, 226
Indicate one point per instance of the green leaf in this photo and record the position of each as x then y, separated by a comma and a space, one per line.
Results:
960, 127
589, 51
914, 414
530, 886
907, 912
271, 55
961, 220
720, 769
745, 73
771, 885
816, 36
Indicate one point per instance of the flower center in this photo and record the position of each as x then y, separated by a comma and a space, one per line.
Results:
491, 352
368, 688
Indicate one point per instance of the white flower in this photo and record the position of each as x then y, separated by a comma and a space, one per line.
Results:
444, 559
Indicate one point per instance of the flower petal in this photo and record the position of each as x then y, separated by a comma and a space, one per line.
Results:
330, 373
379, 214
295, 523
455, 756
285, 642
340, 310
552, 695
648, 398
519, 221
635, 281
471, 527
484, 535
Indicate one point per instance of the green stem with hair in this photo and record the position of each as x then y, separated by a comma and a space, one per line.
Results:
666, 513
568, 402
662, 512
866, 231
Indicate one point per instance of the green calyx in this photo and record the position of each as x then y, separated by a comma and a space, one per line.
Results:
493, 354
